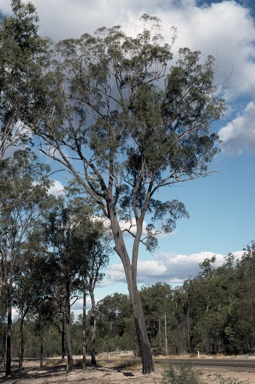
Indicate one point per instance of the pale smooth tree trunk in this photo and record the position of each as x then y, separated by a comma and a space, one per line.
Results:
8, 333
140, 326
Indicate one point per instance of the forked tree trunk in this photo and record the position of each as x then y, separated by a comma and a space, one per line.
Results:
131, 273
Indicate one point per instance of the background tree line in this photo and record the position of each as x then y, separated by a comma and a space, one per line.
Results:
211, 313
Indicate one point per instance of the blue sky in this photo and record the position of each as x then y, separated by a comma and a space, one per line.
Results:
221, 206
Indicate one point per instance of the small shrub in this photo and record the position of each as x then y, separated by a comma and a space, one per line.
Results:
229, 380
180, 374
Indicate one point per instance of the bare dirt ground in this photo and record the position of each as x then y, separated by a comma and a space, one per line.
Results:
110, 373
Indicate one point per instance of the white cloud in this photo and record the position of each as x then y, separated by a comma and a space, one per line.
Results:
224, 29
171, 269
5, 7
56, 189
130, 226
115, 273
11, 138
77, 306
238, 136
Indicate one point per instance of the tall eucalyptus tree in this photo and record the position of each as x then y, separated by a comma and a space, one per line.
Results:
126, 122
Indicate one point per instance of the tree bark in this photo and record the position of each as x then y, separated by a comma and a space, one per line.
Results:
141, 331
131, 273
69, 352
93, 328
8, 333
21, 346
41, 343
63, 339
84, 322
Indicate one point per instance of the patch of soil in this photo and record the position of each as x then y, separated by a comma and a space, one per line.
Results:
32, 374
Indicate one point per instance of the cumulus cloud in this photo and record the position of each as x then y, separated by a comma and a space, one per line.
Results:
130, 226
238, 136
56, 189
171, 269
224, 29
78, 305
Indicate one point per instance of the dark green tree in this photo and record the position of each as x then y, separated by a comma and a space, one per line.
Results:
158, 307
241, 327
22, 51
112, 314
68, 258
134, 124
180, 322
26, 177
97, 259
74, 242
36, 286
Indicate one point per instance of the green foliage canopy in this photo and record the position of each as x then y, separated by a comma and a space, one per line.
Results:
131, 120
